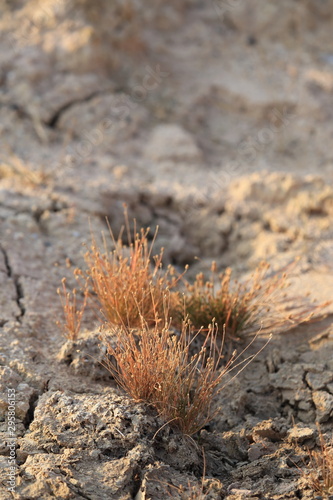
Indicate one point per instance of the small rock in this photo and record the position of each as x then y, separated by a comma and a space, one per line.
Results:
274, 430
306, 417
25, 393
273, 360
318, 381
324, 405
172, 142
289, 377
85, 356
300, 434
258, 450
242, 493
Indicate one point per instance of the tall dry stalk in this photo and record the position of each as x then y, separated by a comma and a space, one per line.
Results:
319, 473
129, 283
73, 312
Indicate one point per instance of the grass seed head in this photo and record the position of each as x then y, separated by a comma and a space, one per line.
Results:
73, 312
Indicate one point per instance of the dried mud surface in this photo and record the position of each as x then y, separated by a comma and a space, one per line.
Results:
213, 121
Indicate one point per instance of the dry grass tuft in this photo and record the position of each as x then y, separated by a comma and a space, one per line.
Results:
319, 473
152, 355
155, 365
228, 304
73, 313
126, 284
241, 307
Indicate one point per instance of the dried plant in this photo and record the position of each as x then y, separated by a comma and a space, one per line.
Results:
319, 473
126, 283
155, 365
73, 313
151, 350
258, 302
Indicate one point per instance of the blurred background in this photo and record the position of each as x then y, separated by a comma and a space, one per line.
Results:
165, 106
237, 85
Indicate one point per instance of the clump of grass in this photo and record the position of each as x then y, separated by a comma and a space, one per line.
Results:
151, 355
126, 284
73, 312
319, 474
204, 301
129, 283
155, 365
240, 307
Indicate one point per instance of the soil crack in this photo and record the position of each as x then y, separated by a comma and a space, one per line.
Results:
17, 284
53, 121
19, 297
31, 411
6, 261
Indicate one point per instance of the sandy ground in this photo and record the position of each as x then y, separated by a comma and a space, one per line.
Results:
212, 120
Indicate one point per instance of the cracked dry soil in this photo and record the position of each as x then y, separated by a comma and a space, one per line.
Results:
211, 120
